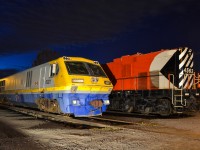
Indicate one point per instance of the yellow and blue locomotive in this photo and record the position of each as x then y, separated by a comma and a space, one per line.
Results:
68, 85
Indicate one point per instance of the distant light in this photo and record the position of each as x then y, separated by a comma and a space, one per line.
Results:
66, 58
96, 62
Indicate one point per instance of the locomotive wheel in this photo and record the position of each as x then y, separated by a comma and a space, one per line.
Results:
164, 107
192, 104
128, 106
114, 103
48, 105
4, 100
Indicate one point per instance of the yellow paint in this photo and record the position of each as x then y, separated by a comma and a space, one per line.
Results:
63, 81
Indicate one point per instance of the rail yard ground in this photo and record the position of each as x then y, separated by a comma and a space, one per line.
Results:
18, 131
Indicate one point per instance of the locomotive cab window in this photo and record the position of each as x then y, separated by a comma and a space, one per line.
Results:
83, 68
77, 68
96, 70
54, 69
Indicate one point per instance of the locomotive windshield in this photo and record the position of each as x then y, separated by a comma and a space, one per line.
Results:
83, 68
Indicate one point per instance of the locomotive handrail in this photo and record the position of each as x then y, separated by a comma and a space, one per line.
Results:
169, 76
196, 78
131, 77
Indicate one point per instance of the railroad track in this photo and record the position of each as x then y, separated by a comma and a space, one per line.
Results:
148, 116
113, 121
90, 122
137, 115
57, 117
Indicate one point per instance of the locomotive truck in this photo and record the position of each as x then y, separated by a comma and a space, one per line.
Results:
161, 82
67, 85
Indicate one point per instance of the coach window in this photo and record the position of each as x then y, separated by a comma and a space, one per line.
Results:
2, 85
54, 69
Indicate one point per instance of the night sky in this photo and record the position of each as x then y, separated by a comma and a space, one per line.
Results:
96, 29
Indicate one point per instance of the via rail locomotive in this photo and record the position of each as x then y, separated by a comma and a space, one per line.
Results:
67, 85
161, 82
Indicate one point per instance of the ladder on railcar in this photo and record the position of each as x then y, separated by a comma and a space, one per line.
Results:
178, 100
177, 93
177, 97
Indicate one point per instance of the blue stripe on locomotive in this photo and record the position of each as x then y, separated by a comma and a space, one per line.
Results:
65, 102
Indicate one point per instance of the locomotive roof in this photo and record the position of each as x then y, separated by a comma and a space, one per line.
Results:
65, 58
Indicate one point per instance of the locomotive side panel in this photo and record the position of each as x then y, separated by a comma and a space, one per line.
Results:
131, 72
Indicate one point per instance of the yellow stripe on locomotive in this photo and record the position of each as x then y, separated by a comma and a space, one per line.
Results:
71, 85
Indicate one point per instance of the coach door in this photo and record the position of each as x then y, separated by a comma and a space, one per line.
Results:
42, 78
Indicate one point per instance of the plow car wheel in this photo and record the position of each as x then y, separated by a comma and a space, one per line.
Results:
164, 107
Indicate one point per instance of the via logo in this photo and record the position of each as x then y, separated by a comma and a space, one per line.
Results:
94, 79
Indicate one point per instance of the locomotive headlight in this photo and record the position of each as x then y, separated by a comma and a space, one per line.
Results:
75, 102
106, 102
107, 82
77, 80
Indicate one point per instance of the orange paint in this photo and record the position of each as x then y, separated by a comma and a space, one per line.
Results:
131, 72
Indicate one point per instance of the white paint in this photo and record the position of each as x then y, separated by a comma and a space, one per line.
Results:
158, 63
